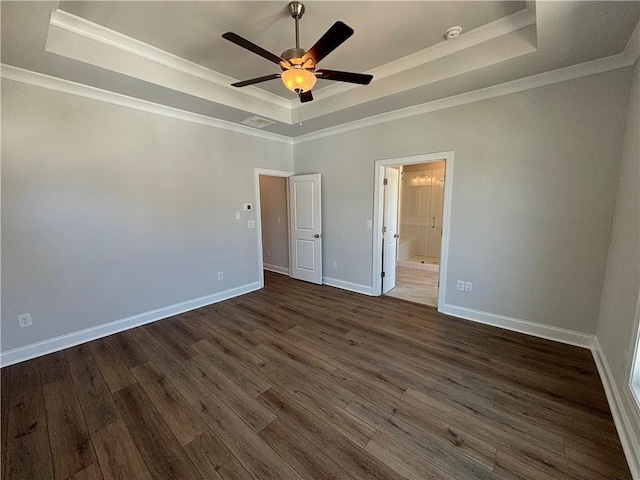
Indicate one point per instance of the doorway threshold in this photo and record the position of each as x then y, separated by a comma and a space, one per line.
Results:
414, 285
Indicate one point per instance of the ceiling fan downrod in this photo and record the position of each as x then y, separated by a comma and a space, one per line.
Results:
296, 9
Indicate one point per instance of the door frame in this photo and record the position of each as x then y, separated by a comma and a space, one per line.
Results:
256, 185
378, 212
385, 213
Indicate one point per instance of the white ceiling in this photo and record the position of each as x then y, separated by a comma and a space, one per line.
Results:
171, 53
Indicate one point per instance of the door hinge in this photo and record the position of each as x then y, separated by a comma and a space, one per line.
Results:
384, 229
385, 181
382, 274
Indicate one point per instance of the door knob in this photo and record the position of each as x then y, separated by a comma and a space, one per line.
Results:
396, 236
317, 235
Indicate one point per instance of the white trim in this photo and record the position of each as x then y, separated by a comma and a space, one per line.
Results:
572, 72
622, 60
88, 29
431, 267
256, 198
631, 51
276, 269
594, 67
549, 332
622, 417
51, 345
344, 285
21, 75
484, 33
78, 29
632, 390
379, 165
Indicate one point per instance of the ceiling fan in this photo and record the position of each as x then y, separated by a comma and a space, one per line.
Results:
298, 65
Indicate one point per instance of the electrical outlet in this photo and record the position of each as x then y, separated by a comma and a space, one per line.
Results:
268, 253
251, 224
369, 224
237, 215
460, 285
220, 275
25, 320
334, 264
279, 219
468, 287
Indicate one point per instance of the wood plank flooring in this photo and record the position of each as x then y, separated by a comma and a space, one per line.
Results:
298, 381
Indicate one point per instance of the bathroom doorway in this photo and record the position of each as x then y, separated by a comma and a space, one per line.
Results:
420, 211
418, 268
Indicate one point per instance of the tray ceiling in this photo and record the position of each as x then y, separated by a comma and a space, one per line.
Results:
171, 53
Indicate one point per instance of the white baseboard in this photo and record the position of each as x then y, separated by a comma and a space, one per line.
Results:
621, 406
276, 268
352, 287
51, 345
432, 267
523, 326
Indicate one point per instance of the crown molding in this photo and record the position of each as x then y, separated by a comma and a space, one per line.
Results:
484, 33
86, 28
78, 38
594, 67
631, 51
9, 72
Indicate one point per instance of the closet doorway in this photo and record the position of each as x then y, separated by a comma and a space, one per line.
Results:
272, 221
415, 207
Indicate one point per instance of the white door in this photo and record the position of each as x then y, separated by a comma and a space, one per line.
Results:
306, 227
390, 228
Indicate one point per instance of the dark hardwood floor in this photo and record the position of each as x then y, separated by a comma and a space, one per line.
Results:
302, 381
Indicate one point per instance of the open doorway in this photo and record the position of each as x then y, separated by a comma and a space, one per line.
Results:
272, 221
411, 227
420, 209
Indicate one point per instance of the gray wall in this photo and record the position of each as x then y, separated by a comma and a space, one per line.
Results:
534, 186
618, 322
109, 212
275, 230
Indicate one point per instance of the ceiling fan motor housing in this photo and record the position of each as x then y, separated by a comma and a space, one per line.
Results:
293, 53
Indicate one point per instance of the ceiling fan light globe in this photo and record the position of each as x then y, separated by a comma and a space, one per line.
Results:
298, 80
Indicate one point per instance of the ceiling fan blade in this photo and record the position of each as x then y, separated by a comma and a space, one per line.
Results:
331, 40
252, 81
306, 96
252, 47
359, 78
